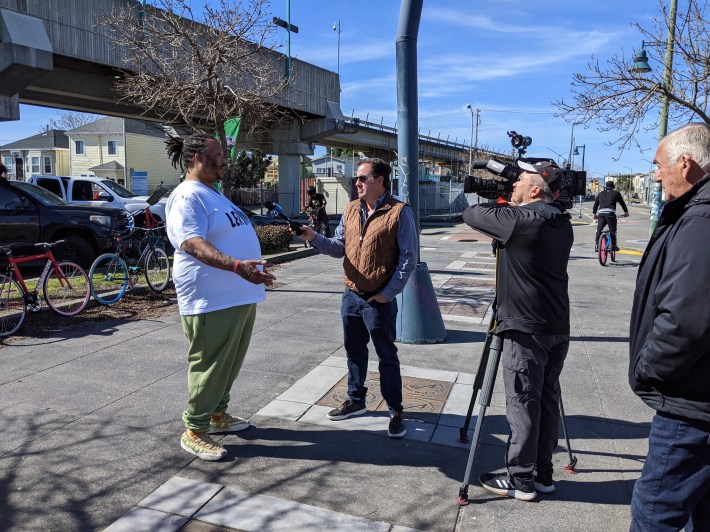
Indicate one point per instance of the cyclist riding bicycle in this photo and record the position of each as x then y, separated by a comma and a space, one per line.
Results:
317, 203
604, 211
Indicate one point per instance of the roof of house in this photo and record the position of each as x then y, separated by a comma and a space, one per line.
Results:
111, 165
112, 124
46, 140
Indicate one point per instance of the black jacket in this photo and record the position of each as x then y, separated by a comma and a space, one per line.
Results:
607, 199
669, 340
535, 243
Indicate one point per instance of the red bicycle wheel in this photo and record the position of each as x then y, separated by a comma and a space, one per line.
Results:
603, 250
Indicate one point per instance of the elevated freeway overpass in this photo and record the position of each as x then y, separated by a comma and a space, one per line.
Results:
58, 54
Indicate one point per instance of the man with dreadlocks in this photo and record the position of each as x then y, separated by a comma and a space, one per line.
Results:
218, 283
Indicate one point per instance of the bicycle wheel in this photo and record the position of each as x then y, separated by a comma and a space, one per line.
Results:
67, 291
157, 269
603, 251
13, 307
108, 278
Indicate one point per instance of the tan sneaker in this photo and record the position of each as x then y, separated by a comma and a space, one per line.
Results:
227, 423
202, 446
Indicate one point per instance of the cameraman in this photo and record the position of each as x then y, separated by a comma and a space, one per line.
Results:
317, 202
604, 211
534, 237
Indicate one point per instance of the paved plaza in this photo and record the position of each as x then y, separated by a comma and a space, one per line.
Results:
92, 414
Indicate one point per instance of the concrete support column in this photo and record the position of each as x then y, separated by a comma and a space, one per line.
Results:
9, 108
289, 183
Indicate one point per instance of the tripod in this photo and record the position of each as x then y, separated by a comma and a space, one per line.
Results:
483, 390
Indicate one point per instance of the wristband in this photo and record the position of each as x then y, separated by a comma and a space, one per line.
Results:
236, 265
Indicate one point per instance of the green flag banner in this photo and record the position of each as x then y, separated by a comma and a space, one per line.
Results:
231, 132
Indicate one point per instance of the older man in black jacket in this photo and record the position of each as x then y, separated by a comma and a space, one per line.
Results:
535, 237
670, 341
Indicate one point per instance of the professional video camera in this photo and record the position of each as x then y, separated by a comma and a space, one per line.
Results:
573, 184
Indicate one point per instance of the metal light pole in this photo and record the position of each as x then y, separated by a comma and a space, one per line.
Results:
286, 24
336, 27
559, 155
629, 182
470, 145
584, 152
641, 66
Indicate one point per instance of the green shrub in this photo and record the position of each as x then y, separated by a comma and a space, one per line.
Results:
273, 238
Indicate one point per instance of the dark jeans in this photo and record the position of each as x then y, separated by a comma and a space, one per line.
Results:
674, 488
532, 364
362, 321
606, 218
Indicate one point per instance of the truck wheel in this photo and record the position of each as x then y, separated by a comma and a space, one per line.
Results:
75, 249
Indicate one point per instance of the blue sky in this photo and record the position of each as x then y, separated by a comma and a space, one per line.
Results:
510, 59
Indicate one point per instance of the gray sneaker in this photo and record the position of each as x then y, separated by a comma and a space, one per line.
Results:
396, 428
346, 410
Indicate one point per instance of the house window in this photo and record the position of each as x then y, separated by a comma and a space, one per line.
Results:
9, 162
80, 147
35, 165
112, 147
47, 164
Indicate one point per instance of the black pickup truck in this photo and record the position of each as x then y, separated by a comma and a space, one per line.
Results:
31, 214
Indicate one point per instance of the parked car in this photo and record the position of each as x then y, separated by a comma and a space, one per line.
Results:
31, 214
262, 219
97, 191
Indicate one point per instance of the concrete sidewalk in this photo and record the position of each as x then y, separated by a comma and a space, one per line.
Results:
92, 416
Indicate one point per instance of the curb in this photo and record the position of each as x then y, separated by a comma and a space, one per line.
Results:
286, 256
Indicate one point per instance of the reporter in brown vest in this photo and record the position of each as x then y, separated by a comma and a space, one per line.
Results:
377, 235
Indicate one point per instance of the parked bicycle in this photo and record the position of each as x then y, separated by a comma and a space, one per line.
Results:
605, 248
65, 286
112, 274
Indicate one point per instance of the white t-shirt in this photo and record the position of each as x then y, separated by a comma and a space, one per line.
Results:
196, 210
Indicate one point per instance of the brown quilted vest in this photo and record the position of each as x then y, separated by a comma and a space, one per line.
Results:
371, 254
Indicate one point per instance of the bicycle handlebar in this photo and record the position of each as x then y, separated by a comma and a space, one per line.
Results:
7, 248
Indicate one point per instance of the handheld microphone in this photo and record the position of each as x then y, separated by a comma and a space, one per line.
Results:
275, 210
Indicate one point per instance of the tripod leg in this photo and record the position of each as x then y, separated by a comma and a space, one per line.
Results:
484, 400
477, 384
572, 459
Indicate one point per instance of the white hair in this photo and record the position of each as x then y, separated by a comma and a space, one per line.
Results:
692, 140
546, 191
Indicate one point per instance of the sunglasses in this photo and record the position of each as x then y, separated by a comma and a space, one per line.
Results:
363, 178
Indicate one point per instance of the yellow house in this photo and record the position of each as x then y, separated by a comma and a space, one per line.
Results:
123, 150
46, 153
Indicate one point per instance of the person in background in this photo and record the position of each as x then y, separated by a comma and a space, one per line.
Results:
604, 211
219, 278
669, 341
317, 202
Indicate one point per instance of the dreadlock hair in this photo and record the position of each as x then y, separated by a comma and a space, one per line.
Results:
183, 150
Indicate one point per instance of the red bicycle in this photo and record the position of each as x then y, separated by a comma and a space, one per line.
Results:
65, 285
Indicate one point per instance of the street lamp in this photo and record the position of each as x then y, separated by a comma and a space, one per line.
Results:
286, 24
584, 151
336, 27
470, 144
641, 66
559, 155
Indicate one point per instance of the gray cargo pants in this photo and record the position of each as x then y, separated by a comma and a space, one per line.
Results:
532, 364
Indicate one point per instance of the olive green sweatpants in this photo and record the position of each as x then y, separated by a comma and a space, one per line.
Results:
218, 344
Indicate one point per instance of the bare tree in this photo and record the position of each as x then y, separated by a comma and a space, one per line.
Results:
69, 120
199, 70
615, 99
